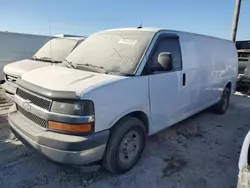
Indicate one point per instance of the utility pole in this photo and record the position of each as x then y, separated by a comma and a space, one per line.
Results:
236, 19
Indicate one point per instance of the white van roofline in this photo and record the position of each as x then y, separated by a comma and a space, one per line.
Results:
155, 30
72, 38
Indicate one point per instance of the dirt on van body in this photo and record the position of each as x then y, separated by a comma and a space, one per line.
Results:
202, 151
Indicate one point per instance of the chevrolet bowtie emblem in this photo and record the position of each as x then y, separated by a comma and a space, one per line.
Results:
26, 105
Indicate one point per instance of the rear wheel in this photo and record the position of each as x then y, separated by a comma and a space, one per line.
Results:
125, 146
222, 105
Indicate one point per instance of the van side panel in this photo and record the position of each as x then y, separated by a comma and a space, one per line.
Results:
210, 63
114, 100
208, 81
222, 57
190, 61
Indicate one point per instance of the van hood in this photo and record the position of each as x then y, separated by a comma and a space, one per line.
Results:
18, 68
57, 78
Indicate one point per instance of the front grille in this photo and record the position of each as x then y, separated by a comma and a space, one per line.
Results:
10, 78
41, 102
32, 117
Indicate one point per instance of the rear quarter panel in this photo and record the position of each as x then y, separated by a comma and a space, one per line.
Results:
222, 67
230, 63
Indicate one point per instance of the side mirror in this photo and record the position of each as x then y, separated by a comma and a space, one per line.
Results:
165, 61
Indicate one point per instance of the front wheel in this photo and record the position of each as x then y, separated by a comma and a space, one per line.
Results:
222, 105
125, 146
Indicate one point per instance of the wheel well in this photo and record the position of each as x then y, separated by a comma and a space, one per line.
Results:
141, 116
229, 85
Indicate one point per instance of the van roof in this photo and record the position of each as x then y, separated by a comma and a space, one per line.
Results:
155, 30
72, 38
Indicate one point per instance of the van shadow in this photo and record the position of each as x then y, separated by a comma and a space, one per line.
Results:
5, 104
4, 129
205, 141
244, 91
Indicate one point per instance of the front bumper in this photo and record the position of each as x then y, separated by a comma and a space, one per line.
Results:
9, 89
62, 148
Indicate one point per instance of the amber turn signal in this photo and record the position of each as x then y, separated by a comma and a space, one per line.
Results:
73, 128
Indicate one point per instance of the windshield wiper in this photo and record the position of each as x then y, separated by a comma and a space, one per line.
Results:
49, 59
92, 67
71, 65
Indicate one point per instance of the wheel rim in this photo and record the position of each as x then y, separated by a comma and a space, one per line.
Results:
129, 147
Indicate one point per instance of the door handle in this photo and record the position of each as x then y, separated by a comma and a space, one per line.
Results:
184, 79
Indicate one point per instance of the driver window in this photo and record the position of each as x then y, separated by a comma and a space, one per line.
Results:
170, 45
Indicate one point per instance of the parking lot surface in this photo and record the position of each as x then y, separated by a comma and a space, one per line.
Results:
200, 152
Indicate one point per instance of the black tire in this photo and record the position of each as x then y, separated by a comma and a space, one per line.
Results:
222, 105
112, 161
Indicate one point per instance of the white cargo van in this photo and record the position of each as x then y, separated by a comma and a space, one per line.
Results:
53, 52
18, 46
118, 87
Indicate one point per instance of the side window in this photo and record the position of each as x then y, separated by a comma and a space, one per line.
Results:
168, 45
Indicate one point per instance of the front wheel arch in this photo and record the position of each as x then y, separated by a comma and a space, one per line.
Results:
142, 116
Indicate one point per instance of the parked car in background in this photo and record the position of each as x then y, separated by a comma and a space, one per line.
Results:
52, 53
18, 46
243, 49
118, 87
244, 161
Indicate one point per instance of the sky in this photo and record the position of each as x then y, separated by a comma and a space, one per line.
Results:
83, 17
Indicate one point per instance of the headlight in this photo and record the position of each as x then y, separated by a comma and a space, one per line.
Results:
79, 108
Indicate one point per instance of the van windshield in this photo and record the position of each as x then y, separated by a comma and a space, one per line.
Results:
56, 50
116, 51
